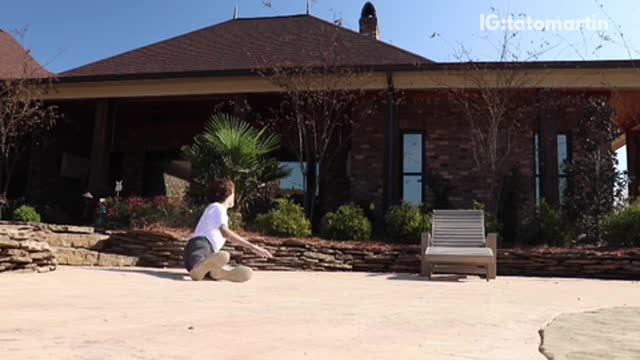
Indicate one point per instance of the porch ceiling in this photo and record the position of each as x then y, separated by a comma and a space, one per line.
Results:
627, 106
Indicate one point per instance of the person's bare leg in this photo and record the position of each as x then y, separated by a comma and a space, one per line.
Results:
211, 262
238, 273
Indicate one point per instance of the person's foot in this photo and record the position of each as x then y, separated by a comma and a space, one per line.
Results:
211, 262
239, 273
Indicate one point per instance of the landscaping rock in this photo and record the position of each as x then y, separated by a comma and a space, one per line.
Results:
23, 248
6, 242
116, 260
76, 257
158, 249
84, 257
69, 229
91, 241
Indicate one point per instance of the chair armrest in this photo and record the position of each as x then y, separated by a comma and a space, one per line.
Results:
492, 243
425, 242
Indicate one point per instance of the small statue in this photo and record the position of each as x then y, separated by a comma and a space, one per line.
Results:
118, 188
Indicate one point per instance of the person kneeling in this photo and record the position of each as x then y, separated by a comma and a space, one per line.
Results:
202, 254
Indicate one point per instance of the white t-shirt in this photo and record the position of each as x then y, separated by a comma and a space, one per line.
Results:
214, 216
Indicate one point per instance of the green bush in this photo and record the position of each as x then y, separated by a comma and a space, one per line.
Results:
347, 223
551, 227
406, 223
491, 223
230, 148
26, 214
286, 219
622, 228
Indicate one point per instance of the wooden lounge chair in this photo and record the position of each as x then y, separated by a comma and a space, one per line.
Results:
458, 245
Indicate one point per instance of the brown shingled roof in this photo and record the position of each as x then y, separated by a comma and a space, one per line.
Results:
16, 62
250, 44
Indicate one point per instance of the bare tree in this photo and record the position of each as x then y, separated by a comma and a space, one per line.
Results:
498, 102
321, 104
24, 117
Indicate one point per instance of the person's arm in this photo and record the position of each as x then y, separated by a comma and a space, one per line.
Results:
235, 238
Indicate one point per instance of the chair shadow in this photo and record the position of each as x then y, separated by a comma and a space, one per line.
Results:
416, 277
163, 274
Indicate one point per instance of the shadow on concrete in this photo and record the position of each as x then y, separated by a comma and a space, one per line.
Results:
416, 277
163, 274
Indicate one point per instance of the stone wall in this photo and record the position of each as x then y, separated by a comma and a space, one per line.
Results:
607, 264
23, 248
151, 248
157, 249
82, 246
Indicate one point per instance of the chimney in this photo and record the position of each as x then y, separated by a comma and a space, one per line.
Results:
369, 21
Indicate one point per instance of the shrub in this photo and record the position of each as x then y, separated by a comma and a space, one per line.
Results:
26, 214
286, 219
236, 219
491, 223
597, 184
230, 148
347, 223
622, 228
551, 227
406, 223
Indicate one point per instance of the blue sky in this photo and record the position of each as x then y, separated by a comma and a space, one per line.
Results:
67, 33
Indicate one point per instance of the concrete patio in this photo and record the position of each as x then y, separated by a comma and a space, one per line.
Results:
135, 313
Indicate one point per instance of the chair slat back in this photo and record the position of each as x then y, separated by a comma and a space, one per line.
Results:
458, 228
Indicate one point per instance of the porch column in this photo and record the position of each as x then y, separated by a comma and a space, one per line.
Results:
133, 171
548, 149
99, 164
633, 163
392, 156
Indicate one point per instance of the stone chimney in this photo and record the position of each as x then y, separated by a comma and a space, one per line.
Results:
369, 21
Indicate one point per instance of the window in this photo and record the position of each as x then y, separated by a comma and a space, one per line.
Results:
295, 181
564, 156
412, 167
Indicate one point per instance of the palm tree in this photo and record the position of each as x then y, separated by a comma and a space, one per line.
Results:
230, 148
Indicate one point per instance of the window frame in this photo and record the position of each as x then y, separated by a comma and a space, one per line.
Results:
537, 171
567, 135
423, 164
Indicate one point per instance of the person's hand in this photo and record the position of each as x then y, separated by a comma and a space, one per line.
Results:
261, 252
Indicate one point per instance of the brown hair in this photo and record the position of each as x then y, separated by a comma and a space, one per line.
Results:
220, 189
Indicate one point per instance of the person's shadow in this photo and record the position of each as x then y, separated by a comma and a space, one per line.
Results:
160, 273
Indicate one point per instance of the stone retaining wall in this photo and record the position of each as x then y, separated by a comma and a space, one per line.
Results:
608, 264
81, 246
23, 248
158, 249
153, 249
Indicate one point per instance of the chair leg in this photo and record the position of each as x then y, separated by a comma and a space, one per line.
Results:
488, 272
492, 270
424, 268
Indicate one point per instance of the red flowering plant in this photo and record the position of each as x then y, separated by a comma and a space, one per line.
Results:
137, 212
117, 213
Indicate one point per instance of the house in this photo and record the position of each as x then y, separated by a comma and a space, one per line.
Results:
15, 61
127, 116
